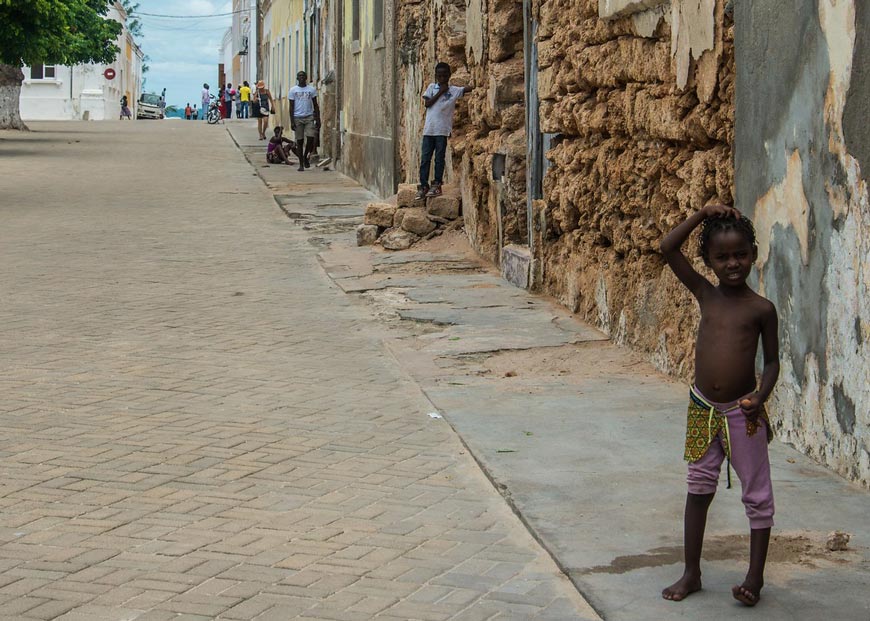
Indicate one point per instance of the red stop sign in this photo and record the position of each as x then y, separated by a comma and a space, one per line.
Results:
109, 73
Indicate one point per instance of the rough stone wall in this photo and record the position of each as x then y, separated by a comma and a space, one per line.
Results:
799, 174
633, 154
482, 40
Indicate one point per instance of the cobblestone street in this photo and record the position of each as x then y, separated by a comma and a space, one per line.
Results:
196, 423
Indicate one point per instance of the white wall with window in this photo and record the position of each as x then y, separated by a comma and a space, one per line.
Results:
58, 92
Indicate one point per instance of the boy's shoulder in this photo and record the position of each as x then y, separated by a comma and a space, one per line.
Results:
759, 305
765, 306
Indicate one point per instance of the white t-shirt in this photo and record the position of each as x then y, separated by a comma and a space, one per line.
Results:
439, 116
303, 100
205, 97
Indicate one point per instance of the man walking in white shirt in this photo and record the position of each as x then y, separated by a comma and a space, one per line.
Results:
304, 118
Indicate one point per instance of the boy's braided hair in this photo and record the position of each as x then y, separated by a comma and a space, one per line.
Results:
723, 224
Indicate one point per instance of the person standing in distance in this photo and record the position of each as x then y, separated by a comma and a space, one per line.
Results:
245, 99
440, 100
205, 99
304, 118
228, 101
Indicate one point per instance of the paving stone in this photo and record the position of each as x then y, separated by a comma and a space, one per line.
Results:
198, 424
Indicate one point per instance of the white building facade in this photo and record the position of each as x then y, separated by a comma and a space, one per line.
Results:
238, 52
83, 92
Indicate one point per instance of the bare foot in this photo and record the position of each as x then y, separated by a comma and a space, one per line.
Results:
747, 594
682, 588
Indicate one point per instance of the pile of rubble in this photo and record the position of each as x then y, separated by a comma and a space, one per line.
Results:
402, 221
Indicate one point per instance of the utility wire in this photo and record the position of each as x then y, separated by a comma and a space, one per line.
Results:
191, 16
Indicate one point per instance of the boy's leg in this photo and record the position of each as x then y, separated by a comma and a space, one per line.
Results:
749, 592
752, 464
702, 478
310, 136
300, 150
426, 161
694, 525
440, 153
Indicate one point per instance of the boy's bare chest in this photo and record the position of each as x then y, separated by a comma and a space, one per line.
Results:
729, 317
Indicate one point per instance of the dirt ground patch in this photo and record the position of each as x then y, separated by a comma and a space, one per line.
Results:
581, 361
803, 548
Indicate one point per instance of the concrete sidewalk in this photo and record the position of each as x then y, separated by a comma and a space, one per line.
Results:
584, 439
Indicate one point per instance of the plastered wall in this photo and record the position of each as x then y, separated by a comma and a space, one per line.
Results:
802, 142
367, 104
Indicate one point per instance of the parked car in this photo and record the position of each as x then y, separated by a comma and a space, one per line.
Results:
151, 106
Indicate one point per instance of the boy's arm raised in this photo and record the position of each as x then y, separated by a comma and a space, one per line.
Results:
428, 101
673, 241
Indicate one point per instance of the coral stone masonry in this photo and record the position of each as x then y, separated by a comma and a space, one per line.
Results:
399, 224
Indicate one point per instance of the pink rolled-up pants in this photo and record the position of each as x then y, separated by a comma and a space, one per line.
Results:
749, 459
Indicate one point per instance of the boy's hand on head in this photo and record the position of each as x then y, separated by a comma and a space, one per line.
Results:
721, 211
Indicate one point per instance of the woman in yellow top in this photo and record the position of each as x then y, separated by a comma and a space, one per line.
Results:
245, 99
264, 105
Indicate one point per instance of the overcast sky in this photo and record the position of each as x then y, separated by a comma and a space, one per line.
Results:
184, 52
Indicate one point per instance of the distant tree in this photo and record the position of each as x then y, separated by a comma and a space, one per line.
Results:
50, 32
145, 69
134, 24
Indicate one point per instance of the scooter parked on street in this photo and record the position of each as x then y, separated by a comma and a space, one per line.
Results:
214, 113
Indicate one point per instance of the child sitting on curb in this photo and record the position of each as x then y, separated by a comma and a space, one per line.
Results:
276, 153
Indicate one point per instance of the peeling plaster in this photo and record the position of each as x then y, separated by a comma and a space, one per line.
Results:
785, 204
646, 23
601, 303
808, 198
612, 9
693, 30
692, 23
474, 29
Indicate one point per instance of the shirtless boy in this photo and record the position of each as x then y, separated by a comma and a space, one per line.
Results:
726, 416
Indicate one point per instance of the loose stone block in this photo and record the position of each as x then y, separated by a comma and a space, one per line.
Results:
366, 234
515, 264
398, 239
416, 221
380, 214
397, 219
445, 206
405, 197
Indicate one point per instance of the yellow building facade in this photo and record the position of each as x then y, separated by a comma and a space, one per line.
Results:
287, 44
